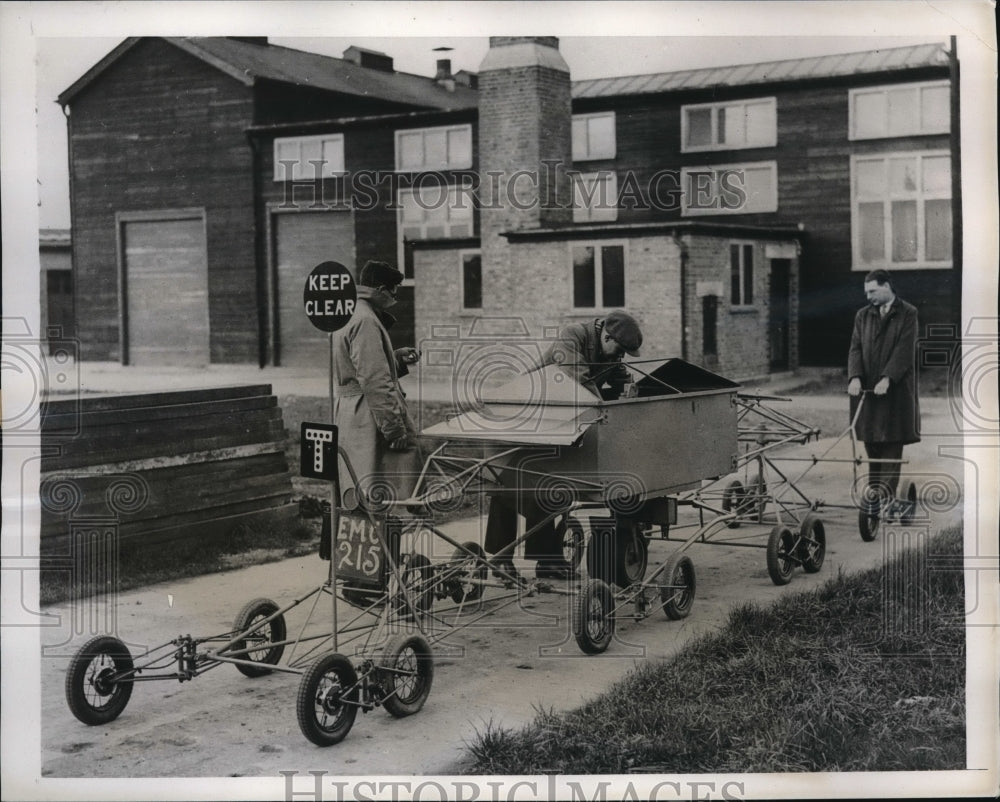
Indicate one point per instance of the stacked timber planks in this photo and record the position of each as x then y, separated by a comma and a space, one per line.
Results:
160, 467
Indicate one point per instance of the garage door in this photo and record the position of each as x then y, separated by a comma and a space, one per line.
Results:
166, 292
304, 239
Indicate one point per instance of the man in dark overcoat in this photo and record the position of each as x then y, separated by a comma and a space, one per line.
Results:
882, 372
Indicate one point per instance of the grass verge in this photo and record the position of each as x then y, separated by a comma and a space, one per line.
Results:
842, 678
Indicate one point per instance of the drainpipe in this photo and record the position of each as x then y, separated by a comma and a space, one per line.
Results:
73, 277
684, 321
956, 179
260, 260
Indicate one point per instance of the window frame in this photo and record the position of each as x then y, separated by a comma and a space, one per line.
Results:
586, 214
885, 89
425, 166
590, 154
886, 263
599, 306
401, 239
464, 252
715, 145
326, 171
772, 205
742, 245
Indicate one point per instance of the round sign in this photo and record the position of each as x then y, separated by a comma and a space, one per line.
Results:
330, 296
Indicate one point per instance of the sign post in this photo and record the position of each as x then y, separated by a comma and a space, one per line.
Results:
329, 298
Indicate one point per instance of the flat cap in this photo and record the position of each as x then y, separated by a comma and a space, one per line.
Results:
624, 329
378, 274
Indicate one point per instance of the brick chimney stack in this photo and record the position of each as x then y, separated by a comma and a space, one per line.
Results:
525, 147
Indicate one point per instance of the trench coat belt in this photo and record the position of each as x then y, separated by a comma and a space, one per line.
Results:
349, 388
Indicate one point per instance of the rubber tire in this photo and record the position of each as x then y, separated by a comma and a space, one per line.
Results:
593, 605
812, 543
414, 648
77, 681
781, 542
253, 610
906, 518
306, 701
460, 593
631, 556
678, 571
416, 570
573, 540
757, 488
868, 526
732, 501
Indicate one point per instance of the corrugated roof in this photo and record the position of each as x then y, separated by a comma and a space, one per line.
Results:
247, 62
910, 57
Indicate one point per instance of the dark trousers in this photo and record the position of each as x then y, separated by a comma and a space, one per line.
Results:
883, 477
501, 529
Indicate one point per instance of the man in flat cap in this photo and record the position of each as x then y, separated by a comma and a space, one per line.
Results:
590, 352
370, 412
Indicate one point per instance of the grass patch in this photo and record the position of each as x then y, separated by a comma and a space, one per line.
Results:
841, 678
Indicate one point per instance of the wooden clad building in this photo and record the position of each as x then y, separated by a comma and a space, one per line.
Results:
197, 210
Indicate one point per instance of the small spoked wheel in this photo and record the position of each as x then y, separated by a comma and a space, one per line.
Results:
868, 525
417, 574
99, 680
406, 672
327, 702
264, 643
812, 543
909, 505
593, 624
573, 540
677, 591
467, 572
732, 501
781, 554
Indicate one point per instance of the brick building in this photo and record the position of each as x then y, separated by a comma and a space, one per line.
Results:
733, 210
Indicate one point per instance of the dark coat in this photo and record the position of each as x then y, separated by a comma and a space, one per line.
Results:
578, 352
886, 347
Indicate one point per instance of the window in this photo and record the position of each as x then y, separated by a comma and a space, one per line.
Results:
472, 279
432, 212
728, 126
595, 197
308, 158
901, 210
593, 136
741, 273
598, 276
730, 189
445, 148
709, 325
901, 110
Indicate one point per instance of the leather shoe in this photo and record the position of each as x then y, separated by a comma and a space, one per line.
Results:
555, 569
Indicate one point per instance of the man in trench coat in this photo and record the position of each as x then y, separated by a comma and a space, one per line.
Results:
882, 361
374, 426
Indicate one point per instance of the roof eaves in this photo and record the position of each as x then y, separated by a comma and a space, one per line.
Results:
244, 76
84, 80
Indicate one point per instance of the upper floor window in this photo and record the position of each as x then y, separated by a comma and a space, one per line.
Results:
748, 188
900, 110
728, 126
593, 136
595, 197
306, 158
447, 147
901, 210
432, 212
598, 275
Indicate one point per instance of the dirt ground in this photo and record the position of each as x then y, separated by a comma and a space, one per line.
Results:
520, 659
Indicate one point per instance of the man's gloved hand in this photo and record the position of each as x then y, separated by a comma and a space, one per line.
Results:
404, 443
854, 387
408, 356
882, 387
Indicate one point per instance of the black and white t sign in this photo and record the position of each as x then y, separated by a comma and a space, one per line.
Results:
330, 296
